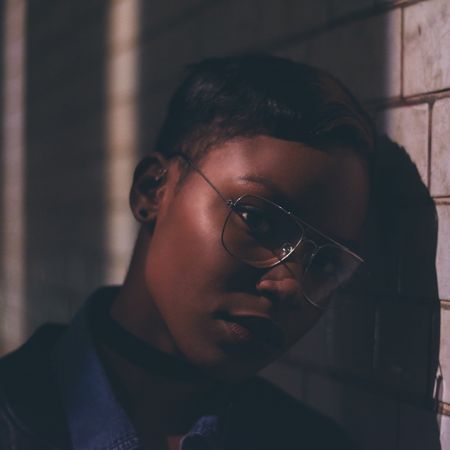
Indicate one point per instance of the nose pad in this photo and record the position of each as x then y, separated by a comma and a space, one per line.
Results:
301, 255
285, 249
287, 278
283, 283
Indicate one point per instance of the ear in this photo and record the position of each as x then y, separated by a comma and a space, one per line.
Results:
148, 186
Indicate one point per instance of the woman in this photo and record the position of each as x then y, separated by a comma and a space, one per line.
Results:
250, 206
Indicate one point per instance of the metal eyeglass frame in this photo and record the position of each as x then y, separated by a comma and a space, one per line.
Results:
232, 203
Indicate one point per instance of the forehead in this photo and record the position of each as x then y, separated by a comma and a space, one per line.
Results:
327, 188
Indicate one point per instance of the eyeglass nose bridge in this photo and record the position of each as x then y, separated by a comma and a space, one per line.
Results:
304, 255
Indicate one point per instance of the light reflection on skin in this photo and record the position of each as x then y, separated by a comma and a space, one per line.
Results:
185, 246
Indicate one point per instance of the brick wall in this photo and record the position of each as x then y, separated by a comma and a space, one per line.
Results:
372, 360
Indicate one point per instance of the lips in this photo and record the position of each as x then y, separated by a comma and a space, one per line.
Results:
249, 328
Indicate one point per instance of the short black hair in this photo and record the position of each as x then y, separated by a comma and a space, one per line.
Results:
244, 96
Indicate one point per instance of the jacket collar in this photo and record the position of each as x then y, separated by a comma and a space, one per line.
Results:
95, 417
28, 389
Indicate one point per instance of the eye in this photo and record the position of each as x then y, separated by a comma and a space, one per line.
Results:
255, 219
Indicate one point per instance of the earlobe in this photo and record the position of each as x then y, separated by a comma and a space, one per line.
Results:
148, 186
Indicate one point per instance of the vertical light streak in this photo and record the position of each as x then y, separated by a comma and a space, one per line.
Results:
12, 176
121, 123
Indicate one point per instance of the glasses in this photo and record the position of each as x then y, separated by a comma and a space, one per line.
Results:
263, 234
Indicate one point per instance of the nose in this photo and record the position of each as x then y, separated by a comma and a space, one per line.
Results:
283, 282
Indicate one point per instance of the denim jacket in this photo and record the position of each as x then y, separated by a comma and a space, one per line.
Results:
55, 395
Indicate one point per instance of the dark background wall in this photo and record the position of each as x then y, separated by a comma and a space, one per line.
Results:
96, 79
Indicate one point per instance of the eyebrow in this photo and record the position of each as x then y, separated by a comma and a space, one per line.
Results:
268, 184
350, 243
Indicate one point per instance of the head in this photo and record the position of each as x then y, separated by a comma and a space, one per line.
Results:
295, 143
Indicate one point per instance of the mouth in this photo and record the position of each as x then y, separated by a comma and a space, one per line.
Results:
252, 329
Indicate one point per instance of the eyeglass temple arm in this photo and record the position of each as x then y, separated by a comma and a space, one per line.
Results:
194, 167
307, 225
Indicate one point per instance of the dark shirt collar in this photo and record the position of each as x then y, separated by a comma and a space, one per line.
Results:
96, 419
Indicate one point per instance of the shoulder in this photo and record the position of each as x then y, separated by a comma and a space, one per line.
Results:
29, 403
278, 420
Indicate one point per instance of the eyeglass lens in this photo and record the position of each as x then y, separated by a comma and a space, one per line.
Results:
262, 234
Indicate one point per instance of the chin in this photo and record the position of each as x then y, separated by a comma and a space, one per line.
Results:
233, 368
228, 358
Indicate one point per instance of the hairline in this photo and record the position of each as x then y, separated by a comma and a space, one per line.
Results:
198, 155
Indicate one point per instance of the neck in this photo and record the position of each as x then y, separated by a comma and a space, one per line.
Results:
157, 404
147, 324
168, 403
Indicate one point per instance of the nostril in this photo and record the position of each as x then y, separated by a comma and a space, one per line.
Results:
281, 289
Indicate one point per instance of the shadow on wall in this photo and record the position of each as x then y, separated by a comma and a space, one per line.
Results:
66, 156
371, 363
401, 288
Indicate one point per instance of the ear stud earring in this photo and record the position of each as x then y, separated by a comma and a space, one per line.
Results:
143, 213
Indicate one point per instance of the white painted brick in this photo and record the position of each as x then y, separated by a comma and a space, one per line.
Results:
408, 126
365, 55
124, 15
444, 354
289, 16
443, 252
122, 77
370, 420
440, 147
172, 51
445, 432
228, 27
427, 47
124, 229
236, 26
390, 2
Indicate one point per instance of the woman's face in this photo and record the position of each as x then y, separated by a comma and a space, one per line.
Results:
221, 314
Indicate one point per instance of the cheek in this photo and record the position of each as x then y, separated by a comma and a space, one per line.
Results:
185, 259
